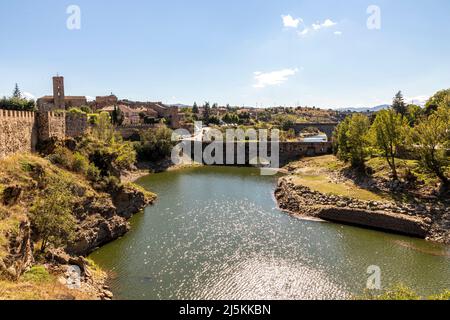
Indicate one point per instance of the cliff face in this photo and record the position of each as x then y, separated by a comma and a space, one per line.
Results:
100, 217
104, 219
390, 217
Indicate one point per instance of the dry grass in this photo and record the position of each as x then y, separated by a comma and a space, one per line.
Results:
46, 290
18, 170
322, 183
314, 173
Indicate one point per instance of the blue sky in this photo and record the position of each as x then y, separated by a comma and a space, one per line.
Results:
242, 52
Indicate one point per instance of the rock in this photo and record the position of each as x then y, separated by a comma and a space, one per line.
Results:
129, 201
97, 231
58, 256
105, 294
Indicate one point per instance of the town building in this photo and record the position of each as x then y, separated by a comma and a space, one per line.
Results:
59, 101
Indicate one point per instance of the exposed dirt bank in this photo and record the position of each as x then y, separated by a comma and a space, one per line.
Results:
431, 222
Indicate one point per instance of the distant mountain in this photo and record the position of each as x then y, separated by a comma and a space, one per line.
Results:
179, 105
373, 109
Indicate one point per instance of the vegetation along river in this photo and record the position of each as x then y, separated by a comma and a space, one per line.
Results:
216, 233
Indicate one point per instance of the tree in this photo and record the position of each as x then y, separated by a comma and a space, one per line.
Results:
432, 140
103, 131
52, 217
117, 116
398, 104
388, 132
357, 139
439, 98
195, 109
413, 114
16, 93
230, 118
351, 139
155, 144
206, 112
340, 140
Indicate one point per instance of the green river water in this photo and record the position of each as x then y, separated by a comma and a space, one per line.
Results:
216, 233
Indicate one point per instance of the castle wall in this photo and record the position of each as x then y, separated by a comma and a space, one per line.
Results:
18, 132
51, 125
76, 124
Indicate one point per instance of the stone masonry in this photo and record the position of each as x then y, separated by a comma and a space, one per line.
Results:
20, 131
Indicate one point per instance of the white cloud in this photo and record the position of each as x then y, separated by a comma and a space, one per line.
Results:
304, 32
273, 78
28, 96
338, 33
328, 23
290, 22
419, 100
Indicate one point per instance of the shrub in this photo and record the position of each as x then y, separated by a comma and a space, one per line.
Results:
93, 173
155, 144
37, 274
51, 216
80, 163
61, 156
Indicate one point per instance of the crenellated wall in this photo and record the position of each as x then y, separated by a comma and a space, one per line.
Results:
51, 125
18, 132
76, 124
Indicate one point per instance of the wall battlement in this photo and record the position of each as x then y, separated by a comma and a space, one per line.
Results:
21, 131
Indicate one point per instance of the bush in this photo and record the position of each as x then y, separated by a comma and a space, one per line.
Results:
37, 274
17, 104
155, 144
80, 163
76, 111
93, 118
61, 156
51, 216
93, 173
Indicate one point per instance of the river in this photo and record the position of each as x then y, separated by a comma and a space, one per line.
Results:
215, 233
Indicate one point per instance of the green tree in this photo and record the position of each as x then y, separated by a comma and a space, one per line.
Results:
206, 112
351, 141
17, 104
230, 118
357, 139
51, 216
155, 144
398, 104
16, 93
117, 116
103, 131
388, 132
413, 114
432, 140
340, 138
195, 109
441, 97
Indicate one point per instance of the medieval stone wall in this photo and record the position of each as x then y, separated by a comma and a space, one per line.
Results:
76, 124
51, 125
18, 132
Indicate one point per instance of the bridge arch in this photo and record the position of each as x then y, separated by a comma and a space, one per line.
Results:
327, 128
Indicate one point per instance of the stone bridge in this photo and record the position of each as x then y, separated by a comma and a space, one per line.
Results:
327, 128
241, 151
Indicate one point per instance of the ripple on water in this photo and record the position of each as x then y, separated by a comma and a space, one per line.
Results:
215, 234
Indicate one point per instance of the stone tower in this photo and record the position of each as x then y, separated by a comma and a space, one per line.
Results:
58, 92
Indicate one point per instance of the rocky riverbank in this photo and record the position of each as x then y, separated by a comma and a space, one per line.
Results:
100, 217
428, 221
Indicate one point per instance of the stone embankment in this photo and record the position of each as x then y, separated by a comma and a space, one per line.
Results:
419, 220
